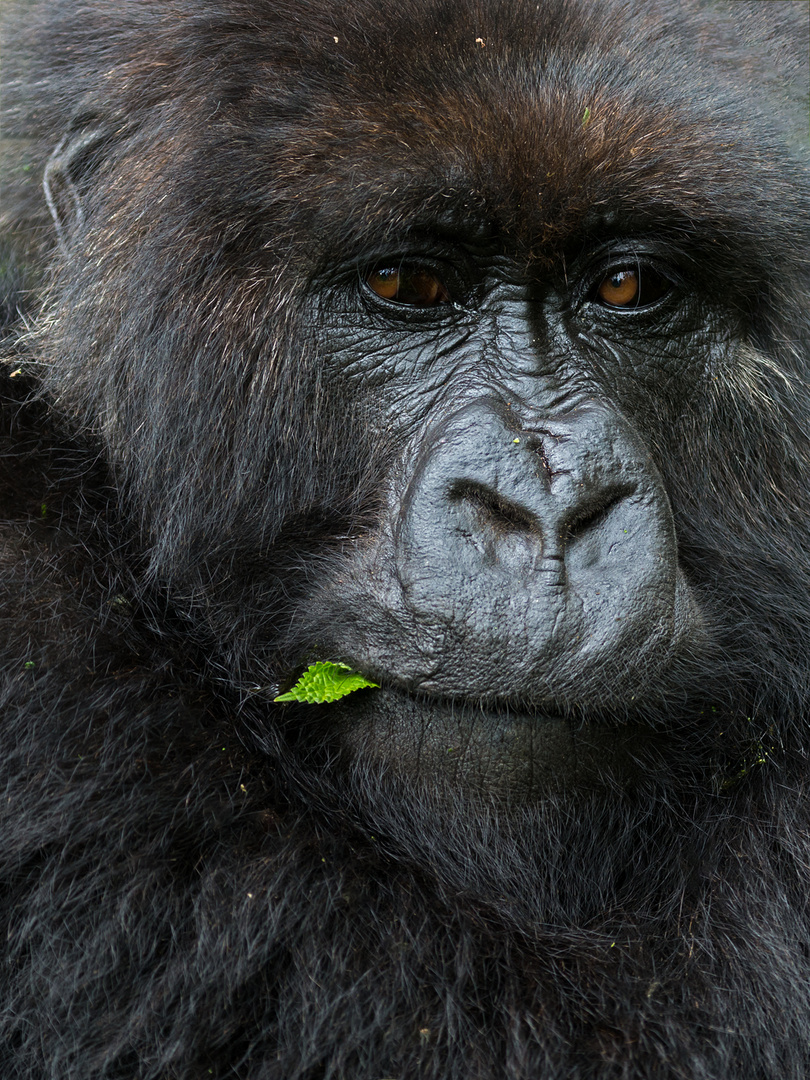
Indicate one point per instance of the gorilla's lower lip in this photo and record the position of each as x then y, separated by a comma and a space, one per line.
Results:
499, 748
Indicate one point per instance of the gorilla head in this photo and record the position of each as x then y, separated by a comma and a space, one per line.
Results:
465, 345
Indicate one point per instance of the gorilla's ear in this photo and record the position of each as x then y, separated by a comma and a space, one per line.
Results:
72, 160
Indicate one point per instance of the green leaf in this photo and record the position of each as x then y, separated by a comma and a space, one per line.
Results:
325, 682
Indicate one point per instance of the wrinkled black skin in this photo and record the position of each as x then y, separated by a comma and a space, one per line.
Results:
568, 836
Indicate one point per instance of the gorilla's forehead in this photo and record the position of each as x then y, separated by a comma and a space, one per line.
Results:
328, 127
488, 120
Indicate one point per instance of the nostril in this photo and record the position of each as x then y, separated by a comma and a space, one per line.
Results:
591, 513
493, 508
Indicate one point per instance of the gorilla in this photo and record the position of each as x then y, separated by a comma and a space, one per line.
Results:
465, 345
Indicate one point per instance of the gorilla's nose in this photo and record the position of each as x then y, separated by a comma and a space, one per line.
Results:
490, 492
543, 547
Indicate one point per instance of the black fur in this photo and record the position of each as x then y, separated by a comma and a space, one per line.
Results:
197, 882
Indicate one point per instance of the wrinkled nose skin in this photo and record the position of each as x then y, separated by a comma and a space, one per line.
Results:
539, 558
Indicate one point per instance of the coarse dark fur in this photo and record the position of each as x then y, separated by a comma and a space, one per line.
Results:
196, 882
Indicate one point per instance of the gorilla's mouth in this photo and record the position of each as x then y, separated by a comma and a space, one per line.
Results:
497, 748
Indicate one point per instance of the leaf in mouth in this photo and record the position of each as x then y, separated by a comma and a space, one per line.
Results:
325, 681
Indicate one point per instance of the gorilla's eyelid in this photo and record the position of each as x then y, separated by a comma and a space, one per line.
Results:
590, 282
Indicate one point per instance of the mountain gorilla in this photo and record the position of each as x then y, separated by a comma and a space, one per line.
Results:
465, 344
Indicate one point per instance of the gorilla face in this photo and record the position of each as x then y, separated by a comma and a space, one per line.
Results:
529, 359
521, 588
440, 359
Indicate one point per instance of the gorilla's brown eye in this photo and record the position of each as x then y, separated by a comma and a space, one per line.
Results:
634, 288
415, 287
